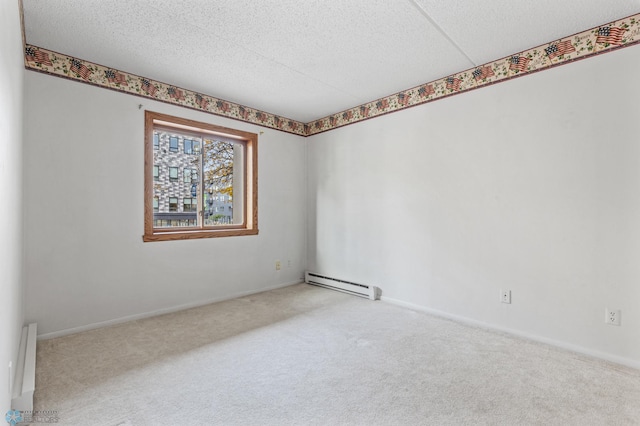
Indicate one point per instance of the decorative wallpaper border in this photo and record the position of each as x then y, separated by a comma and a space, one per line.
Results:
614, 35
621, 33
58, 64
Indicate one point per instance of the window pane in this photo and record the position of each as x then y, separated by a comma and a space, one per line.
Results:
156, 172
173, 144
221, 163
177, 197
189, 205
156, 141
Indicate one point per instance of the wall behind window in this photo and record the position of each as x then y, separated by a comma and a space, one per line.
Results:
85, 260
532, 185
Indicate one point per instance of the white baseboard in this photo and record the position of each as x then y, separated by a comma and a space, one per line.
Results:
163, 311
558, 343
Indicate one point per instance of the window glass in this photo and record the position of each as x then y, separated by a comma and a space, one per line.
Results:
190, 204
191, 146
173, 204
173, 174
173, 144
190, 175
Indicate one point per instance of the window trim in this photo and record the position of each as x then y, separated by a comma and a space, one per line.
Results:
250, 180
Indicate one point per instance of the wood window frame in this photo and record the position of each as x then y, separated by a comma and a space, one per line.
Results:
249, 224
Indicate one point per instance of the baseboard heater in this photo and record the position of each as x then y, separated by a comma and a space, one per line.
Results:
24, 383
362, 290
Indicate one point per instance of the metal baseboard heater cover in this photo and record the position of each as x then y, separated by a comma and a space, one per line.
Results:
362, 290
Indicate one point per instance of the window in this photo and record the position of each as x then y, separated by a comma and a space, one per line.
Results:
189, 204
156, 141
225, 158
156, 172
191, 146
190, 175
173, 144
173, 204
173, 174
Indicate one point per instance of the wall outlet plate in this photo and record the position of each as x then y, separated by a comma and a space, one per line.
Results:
278, 265
505, 296
612, 316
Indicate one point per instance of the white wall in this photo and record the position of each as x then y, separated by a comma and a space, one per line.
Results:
85, 260
531, 185
11, 100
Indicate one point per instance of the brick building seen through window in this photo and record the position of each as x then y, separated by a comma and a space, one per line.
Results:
176, 205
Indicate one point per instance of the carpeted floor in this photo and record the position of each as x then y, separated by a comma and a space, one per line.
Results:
304, 355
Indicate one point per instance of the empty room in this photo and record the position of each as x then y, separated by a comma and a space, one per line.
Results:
410, 212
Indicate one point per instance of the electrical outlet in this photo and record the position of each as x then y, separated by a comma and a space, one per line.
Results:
612, 316
278, 265
288, 263
505, 296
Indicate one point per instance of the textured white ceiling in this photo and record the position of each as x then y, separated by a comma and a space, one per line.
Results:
305, 59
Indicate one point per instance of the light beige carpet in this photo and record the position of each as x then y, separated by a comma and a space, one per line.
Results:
304, 355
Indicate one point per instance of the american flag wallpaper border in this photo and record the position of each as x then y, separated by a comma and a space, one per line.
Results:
598, 40
604, 38
61, 65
